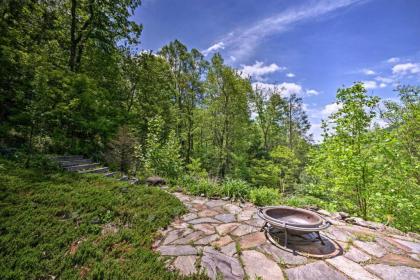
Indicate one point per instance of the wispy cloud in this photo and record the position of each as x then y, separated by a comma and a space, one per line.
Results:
213, 48
368, 72
243, 41
258, 70
290, 75
393, 60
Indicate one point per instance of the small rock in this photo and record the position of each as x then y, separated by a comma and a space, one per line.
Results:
245, 215
233, 209
351, 269
155, 180
252, 240
388, 272
344, 215
336, 216
185, 264
324, 212
181, 250
258, 266
312, 271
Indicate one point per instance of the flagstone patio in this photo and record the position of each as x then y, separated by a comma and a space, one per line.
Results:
223, 238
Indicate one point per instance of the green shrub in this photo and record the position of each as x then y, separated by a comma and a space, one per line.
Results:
204, 187
236, 189
264, 196
301, 201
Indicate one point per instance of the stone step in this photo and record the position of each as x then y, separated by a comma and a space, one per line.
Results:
82, 167
67, 163
97, 170
110, 174
68, 158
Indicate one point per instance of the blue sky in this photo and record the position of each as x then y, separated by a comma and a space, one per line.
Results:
304, 46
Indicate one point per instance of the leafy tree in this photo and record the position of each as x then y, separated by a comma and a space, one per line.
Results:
343, 163
227, 116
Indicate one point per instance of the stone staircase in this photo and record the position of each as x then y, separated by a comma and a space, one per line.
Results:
79, 164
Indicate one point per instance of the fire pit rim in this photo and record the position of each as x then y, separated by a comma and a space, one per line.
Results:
298, 228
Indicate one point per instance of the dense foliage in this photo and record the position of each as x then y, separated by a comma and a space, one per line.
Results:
73, 81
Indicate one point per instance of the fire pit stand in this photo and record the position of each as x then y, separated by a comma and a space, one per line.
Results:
292, 221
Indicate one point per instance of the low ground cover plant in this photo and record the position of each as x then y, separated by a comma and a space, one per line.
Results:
71, 226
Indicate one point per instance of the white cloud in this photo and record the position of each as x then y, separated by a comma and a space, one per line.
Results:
290, 88
368, 72
243, 41
330, 109
393, 60
370, 84
285, 89
290, 75
232, 58
406, 68
214, 48
258, 70
382, 85
311, 92
385, 80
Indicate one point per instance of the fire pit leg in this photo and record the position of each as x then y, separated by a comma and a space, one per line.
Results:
320, 239
263, 227
285, 237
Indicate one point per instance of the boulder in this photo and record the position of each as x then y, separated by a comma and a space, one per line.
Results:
155, 181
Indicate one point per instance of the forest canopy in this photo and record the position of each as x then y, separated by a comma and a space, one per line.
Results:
73, 81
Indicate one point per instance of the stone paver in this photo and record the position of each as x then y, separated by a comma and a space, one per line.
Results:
215, 263
209, 236
356, 255
258, 265
252, 240
226, 228
282, 256
351, 269
243, 230
206, 228
203, 221
317, 270
181, 250
226, 218
185, 264
371, 248
388, 272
